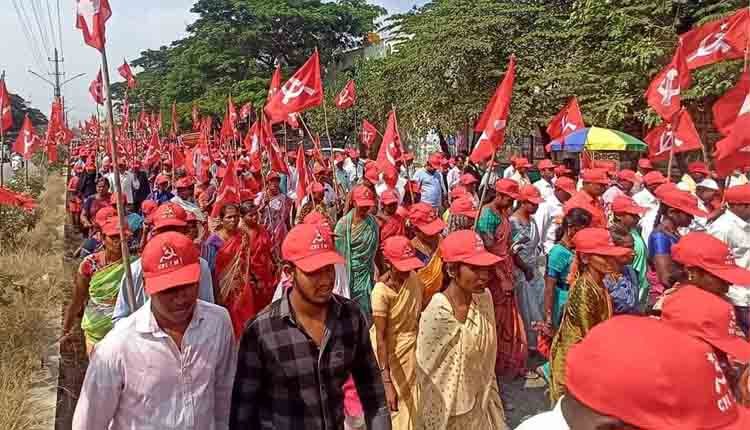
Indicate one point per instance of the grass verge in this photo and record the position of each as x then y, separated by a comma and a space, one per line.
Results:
32, 287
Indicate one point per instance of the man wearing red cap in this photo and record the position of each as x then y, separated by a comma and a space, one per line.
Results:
733, 228
356, 167
161, 193
172, 363
342, 176
694, 395
389, 221
296, 355
697, 171
550, 212
595, 182
645, 198
522, 167
431, 179
623, 186
545, 184
454, 174
185, 197
128, 181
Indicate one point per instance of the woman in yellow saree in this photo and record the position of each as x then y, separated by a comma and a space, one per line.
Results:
457, 344
396, 305
427, 229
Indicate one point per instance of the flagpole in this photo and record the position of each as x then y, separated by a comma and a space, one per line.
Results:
490, 168
333, 164
118, 188
2, 136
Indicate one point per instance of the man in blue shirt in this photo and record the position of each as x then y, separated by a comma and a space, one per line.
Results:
431, 179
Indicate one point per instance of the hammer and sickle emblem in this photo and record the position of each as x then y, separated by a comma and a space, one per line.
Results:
293, 89
667, 88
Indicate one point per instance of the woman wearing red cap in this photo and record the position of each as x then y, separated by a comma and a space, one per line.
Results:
457, 344
93, 203
262, 267
427, 230
396, 305
589, 303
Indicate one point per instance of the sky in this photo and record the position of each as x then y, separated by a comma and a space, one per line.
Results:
136, 25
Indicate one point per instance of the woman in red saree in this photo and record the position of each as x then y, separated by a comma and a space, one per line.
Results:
242, 279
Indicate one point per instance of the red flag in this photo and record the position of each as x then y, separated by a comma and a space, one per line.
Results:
246, 110
178, 156
96, 88
54, 131
391, 148
156, 121
253, 147
126, 112
728, 106
302, 174
495, 117
723, 39
6, 116
272, 146
127, 73
275, 84
663, 95
739, 159
196, 118
27, 141
175, 124
663, 138
226, 134
347, 97
229, 191
232, 114
368, 134
739, 137
293, 120
302, 91
91, 19
568, 120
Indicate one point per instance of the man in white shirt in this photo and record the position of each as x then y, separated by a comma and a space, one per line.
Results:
644, 168
549, 214
128, 181
522, 166
454, 174
626, 179
696, 172
733, 228
171, 364
545, 184
646, 199
511, 169
706, 192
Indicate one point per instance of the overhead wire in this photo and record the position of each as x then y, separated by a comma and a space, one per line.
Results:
41, 29
33, 44
52, 31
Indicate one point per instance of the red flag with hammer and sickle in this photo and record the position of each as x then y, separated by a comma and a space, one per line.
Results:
27, 141
368, 134
727, 107
568, 120
304, 90
127, 73
96, 88
347, 97
91, 19
720, 40
391, 148
680, 136
495, 117
737, 143
6, 115
664, 93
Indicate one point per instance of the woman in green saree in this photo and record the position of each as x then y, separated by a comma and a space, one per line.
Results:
96, 288
357, 239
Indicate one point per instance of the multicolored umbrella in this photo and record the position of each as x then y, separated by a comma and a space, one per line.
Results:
597, 139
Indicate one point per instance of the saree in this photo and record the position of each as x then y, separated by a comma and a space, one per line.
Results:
358, 245
529, 294
431, 275
401, 309
275, 216
454, 360
512, 345
103, 289
588, 305
390, 226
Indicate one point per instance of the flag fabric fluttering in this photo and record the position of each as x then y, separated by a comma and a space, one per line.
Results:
6, 113
246, 111
738, 140
275, 158
96, 89
368, 134
719, 40
680, 136
175, 129
229, 191
495, 118
196, 117
304, 90
568, 120
727, 107
275, 84
664, 92
302, 175
127, 73
391, 149
347, 97
27, 141
253, 147
232, 114
91, 19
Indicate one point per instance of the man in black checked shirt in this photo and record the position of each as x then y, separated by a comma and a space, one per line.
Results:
295, 356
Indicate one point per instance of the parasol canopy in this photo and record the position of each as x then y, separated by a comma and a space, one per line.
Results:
597, 139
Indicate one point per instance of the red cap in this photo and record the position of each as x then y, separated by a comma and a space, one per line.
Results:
424, 218
596, 176
710, 254
627, 175
705, 315
624, 204
111, 227
738, 195
522, 163
530, 193
310, 247
317, 218
465, 246
671, 196
597, 241
184, 182
389, 197
170, 260
162, 179
457, 192
315, 187
545, 164
372, 173
363, 196
467, 179
561, 170
464, 205
398, 251
566, 184
698, 167
436, 160
105, 214
273, 176
660, 394
645, 163
654, 178
509, 187
169, 215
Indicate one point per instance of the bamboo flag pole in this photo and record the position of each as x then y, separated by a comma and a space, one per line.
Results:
129, 288
2, 137
490, 169
333, 164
